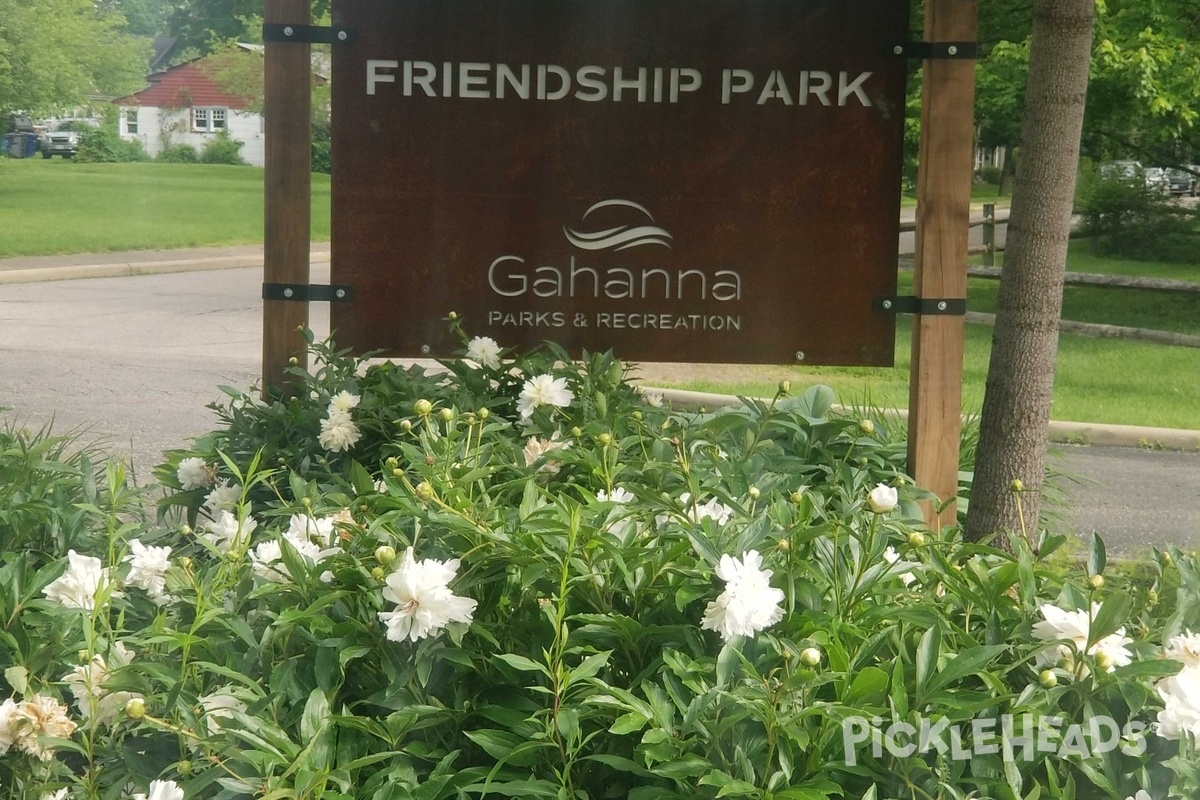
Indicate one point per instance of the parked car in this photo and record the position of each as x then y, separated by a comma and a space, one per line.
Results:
1155, 177
1157, 180
1180, 182
63, 138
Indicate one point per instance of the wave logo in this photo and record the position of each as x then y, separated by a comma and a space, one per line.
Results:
622, 237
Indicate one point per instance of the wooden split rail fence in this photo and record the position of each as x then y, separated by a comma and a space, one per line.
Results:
990, 270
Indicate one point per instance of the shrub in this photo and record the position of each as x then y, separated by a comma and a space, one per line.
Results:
223, 149
103, 145
1124, 216
321, 148
990, 174
525, 579
179, 154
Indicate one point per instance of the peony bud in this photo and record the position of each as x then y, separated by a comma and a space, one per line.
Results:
1151, 597
453, 315
293, 361
446, 414
866, 426
135, 708
1047, 679
785, 387
424, 490
377, 573
810, 656
484, 413
604, 439
785, 545
1096, 581
405, 425
796, 496
423, 408
184, 767
392, 462
916, 539
882, 498
385, 554
1017, 485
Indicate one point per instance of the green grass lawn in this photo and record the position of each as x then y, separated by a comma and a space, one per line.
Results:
980, 193
1097, 380
50, 206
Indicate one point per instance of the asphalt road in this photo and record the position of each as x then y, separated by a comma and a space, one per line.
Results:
135, 360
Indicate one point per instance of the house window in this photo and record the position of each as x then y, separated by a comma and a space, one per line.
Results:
209, 120
131, 120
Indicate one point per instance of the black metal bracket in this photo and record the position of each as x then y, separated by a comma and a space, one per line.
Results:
925, 306
306, 34
923, 51
307, 293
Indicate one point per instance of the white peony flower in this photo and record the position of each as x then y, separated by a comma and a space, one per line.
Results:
218, 706
1184, 648
342, 402
713, 509
892, 557
148, 569
269, 555
619, 495
8, 711
77, 587
37, 717
302, 527
535, 449
381, 487
338, 432
162, 790
484, 350
543, 390
193, 473
1142, 794
1181, 704
653, 399
425, 604
882, 498
749, 604
95, 704
222, 533
619, 523
223, 497
1058, 624
61, 794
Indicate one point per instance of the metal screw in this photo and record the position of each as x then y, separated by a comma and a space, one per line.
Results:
288, 31
288, 292
425, 349
339, 294
898, 49
341, 36
952, 50
942, 306
887, 304
799, 355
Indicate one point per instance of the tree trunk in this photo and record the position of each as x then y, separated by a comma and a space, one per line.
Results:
1016, 402
1007, 170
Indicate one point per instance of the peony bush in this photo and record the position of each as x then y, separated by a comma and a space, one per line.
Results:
522, 577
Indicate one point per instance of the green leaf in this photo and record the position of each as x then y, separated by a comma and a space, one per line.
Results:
316, 712
966, 662
590, 666
815, 403
18, 679
1096, 554
522, 663
629, 723
927, 656
1112, 615
867, 688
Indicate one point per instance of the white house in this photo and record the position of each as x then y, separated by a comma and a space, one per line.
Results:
184, 104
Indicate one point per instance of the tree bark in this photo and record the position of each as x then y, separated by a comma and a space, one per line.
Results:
1016, 403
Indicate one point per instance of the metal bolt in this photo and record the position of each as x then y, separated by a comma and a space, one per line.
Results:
942, 306
952, 50
340, 294
425, 349
799, 355
898, 49
288, 292
288, 31
341, 36
887, 304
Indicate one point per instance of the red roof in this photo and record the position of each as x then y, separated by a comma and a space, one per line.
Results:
180, 87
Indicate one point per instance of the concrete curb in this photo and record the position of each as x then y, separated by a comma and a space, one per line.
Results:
1060, 432
71, 272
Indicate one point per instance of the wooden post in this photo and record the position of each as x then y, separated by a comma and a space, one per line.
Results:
989, 234
288, 189
943, 210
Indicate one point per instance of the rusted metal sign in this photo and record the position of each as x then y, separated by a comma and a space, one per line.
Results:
676, 180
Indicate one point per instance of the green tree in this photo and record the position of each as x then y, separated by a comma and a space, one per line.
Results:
142, 17
55, 54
